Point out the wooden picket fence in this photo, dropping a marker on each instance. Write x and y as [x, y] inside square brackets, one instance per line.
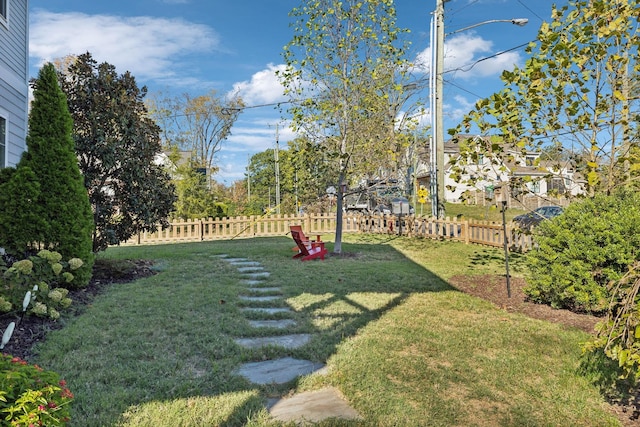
[467, 231]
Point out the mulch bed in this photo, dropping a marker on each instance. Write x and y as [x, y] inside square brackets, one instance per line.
[494, 289]
[33, 329]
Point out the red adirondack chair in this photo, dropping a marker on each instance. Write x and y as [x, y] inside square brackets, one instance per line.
[308, 250]
[304, 238]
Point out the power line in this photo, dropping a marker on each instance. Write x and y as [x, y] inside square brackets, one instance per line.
[468, 67]
[530, 10]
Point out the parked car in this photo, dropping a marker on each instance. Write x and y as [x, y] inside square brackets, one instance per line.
[535, 217]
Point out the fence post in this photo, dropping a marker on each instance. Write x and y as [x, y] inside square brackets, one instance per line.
[465, 227]
[307, 221]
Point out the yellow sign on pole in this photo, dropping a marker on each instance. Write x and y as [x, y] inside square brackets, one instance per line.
[423, 193]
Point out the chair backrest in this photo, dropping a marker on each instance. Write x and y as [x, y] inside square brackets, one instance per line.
[296, 238]
[298, 229]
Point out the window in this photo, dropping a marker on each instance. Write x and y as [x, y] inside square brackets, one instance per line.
[534, 186]
[3, 10]
[3, 141]
[556, 184]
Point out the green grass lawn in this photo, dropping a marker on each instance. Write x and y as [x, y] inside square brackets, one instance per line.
[403, 347]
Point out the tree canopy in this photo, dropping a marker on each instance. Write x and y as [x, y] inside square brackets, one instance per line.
[578, 90]
[117, 146]
[347, 75]
[198, 124]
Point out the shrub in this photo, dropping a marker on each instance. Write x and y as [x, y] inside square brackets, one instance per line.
[618, 336]
[20, 225]
[45, 277]
[32, 396]
[579, 252]
[62, 204]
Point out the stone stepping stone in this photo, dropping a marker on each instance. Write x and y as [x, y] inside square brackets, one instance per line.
[313, 407]
[264, 290]
[276, 324]
[232, 260]
[268, 310]
[289, 342]
[253, 269]
[278, 371]
[256, 276]
[260, 299]
[246, 263]
[251, 282]
[219, 256]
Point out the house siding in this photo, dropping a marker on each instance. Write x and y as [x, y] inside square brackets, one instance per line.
[14, 88]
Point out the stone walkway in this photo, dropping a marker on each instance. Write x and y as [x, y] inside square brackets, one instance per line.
[265, 299]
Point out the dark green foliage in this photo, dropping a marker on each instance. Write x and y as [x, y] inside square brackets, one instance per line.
[20, 224]
[606, 374]
[582, 250]
[116, 144]
[62, 206]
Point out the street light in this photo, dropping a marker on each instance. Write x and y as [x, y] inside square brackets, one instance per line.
[437, 126]
[520, 22]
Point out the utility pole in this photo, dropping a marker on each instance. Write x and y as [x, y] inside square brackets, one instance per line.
[438, 131]
[437, 70]
[248, 178]
[275, 155]
[296, 191]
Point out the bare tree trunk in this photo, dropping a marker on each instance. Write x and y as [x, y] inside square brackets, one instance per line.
[337, 247]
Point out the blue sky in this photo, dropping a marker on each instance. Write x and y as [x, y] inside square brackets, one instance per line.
[195, 46]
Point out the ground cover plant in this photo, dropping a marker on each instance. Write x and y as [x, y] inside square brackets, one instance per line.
[402, 344]
[30, 395]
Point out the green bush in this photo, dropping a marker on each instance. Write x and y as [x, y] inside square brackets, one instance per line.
[20, 225]
[44, 277]
[579, 252]
[65, 219]
[32, 396]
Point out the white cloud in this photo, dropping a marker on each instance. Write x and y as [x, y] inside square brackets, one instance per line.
[464, 52]
[464, 55]
[256, 138]
[462, 107]
[148, 47]
[263, 88]
[249, 140]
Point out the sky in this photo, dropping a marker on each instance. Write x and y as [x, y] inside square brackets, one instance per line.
[235, 46]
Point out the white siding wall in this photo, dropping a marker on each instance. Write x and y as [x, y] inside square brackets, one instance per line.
[14, 89]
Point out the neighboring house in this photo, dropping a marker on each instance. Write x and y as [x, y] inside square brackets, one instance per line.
[541, 178]
[165, 159]
[14, 88]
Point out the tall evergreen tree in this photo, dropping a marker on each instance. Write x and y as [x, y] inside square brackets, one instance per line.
[62, 203]
[20, 224]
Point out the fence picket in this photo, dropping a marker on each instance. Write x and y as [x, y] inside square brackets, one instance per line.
[467, 231]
